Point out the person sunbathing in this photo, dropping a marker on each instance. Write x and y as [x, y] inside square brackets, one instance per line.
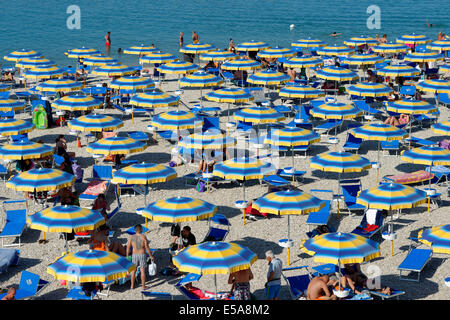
[318, 289]
[393, 121]
[354, 273]
[11, 295]
[101, 205]
[99, 240]
[346, 282]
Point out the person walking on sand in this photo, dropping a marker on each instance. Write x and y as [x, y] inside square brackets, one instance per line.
[273, 284]
[138, 243]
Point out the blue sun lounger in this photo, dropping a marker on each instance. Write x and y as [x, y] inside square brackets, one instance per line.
[191, 277]
[215, 233]
[440, 172]
[14, 222]
[327, 126]
[276, 181]
[297, 284]
[322, 216]
[444, 98]
[415, 261]
[352, 143]
[350, 189]
[362, 105]
[379, 221]
[77, 293]
[390, 146]
[394, 294]
[29, 286]
[298, 174]
[154, 294]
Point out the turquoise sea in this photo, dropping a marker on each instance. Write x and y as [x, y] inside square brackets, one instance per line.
[41, 25]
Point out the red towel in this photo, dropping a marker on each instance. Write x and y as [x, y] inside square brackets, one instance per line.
[252, 211]
[371, 227]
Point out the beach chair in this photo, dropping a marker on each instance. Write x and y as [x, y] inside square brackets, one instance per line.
[243, 128]
[284, 173]
[7, 114]
[409, 91]
[352, 143]
[350, 189]
[444, 98]
[372, 217]
[100, 183]
[8, 257]
[297, 284]
[440, 173]
[29, 286]
[415, 261]
[362, 105]
[327, 126]
[57, 160]
[138, 135]
[276, 182]
[154, 294]
[322, 216]
[420, 176]
[198, 294]
[315, 232]
[3, 173]
[214, 233]
[14, 221]
[77, 293]
[387, 146]
[394, 294]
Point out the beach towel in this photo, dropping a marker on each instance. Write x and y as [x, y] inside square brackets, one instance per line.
[371, 227]
[96, 187]
[412, 177]
[252, 211]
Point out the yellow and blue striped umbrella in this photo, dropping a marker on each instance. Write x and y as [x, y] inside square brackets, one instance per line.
[379, 132]
[197, 48]
[436, 237]
[335, 50]
[391, 196]
[300, 91]
[363, 59]
[81, 52]
[398, 71]
[341, 248]
[369, 89]
[424, 56]
[158, 57]
[258, 115]
[445, 68]
[5, 87]
[276, 52]
[99, 60]
[288, 202]
[214, 258]
[113, 69]
[59, 85]
[390, 48]
[303, 62]
[22, 54]
[427, 155]
[360, 41]
[91, 266]
[252, 46]
[243, 168]
[22, 150]
[77, 103]
[434, 85]
[144, 173]
[66, 219]
[209, 139]
[178, 67]
[218, 55]
[413, 39]
[95, 122]
[268, 77]
[441, 128]
[241, 64]
[175, 120]
[291, 136]
[336, 110]
[154, 99]
[440, 45]
[9, 127]
[141, 50]
[336, 74]
[200, 79]
[340, 162]
[44, 72]
[411, 106]
[11, 104]
[42, 179]
[308, 43]
[116, 145]
[131, 83]
[30, 63]
[231, 95]
[179, 209]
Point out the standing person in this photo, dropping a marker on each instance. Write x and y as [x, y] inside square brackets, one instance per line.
[139, 244]
[231, 46]
[108, 39]
[195, 37]
[384, 39]
[273, 284]
[240, 281]
[181, 39]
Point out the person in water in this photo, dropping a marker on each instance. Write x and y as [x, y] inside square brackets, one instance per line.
[108, 39]
[335, 34]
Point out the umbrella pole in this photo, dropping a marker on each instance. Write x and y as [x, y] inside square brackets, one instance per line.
[429, 189]
[243, 210]
[145, 203]
[201, 106]
[378, 160]
[289, 248]
[215, 285]
[337, 200]
[409, 145]
[293, 166]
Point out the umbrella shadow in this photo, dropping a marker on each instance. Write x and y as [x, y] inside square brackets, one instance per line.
[57, 294]
[24, 264]
[260, 246]
[409, 167]
[413, 290]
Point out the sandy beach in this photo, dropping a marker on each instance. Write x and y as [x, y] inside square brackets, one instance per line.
[259, 236]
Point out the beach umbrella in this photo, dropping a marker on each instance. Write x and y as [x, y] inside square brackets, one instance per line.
[5, 87]
[291, 137]
[369, 89]
[430, 156]
[10, 104]
[391, 196]
[218, 55]
[66, 219]
[241, 64]
[44, 72]
[308, 43]
[154, 99]
[59, 85]
[179, 209]
[413, 39]
[300, 92]
[243, 168]
[158, 57]
[268, 77]
[30, 63]
[434, 85]
[258, 115]
[178, 67]
[444, 68]
[77, 103]
[95, 122]
[42, 179]
[116, 146]
[361, 41]
[214, 258]
[336, 74]
[22, 150]
[335, 50]
[441, 128]
[99, 60]
[398, 70]
[141, 50]
[197, 48]
[340, 248]
[144, 174]
[113, 70]
[10, 127]
[81, 52]
[424, 56]
[22, 54]
[131, 83]
[390, 48]
[277, 52]
[440, 45]
[303, 62]
[437, 237]
[91, 266]
[252, 46]
[363, 60]
[229, 95]
[291, 202]
[200, 79]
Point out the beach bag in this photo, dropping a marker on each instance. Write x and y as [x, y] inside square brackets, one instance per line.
[200, 187]
[77, 172]
[152, 268]
[172, 164]
[445, 144]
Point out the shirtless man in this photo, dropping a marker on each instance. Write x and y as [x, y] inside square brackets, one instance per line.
[292, 74]
[318, 289]
[195, 37]
[181, 40]
[139, 244]
[241, 284]
[11, 295]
